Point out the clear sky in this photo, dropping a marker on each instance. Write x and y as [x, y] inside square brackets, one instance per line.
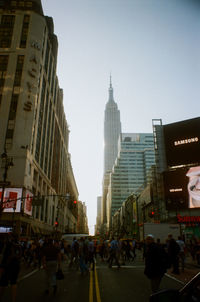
[152, 49]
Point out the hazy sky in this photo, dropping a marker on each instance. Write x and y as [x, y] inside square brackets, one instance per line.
[152, 49]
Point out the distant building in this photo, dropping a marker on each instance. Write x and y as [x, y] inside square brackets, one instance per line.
[112, 130]
[82, 222]
[98, 219]
[130, 171]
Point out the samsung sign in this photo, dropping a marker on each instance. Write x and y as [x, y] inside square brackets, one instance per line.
[186, 141]
[182, 142]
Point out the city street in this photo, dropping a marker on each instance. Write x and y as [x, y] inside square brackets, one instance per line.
[104, 284]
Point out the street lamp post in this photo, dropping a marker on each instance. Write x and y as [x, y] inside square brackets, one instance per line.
[8, 163]
[13, 217]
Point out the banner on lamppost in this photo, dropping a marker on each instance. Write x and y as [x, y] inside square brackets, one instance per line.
[134, 211]
[28, 203]
[11, 199]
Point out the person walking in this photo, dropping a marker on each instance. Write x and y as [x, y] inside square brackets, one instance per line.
[51, 261]
[173, 252]
[155, 262]
[181, 254]
[74, 254]
[91, 253]
[10, 265]
[83, 256]
[114, 248]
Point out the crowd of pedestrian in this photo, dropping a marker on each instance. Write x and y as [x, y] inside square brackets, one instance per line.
[81, 254]
[169, 255]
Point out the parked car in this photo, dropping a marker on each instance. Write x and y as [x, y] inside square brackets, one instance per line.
[190, 292]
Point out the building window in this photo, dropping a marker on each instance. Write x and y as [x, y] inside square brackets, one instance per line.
[8, 143]
[18, 72]
[46, 57]
[28, 4]
[6, 30]
[40, 121]
[9, 133]
[24, 33]
[3, 70]
[13, 107]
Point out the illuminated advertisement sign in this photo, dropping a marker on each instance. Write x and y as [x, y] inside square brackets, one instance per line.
[182, 142]
[182, 188]
[194, 187]
[175, 188]
[11, 199]
[188, 219]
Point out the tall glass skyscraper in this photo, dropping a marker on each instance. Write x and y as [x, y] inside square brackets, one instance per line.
[129, 174]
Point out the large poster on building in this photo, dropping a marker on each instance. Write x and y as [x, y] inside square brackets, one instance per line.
[182, 188]
[134, 211]
[175, 189]
[182, 142]
[12, 199]
[193, 186]
[28, 203]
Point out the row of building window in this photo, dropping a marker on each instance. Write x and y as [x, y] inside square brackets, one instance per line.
[17, 4]
[21, 4]
[3, 70]
[14, 103]
[6, 31]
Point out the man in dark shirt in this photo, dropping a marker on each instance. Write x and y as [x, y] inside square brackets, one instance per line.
[51, 261]
[10, 265]
[173, 254]
[155, 262]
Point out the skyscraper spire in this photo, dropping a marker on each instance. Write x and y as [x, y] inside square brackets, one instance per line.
[111, 99]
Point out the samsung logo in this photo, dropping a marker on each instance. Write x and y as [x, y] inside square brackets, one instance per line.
[186, 141]
[176, 190]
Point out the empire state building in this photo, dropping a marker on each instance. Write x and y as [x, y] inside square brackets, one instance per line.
[112, 130]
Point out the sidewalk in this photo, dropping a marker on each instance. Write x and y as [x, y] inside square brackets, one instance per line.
[191, 269]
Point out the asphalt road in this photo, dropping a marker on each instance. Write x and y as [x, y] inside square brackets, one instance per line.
[101, 285]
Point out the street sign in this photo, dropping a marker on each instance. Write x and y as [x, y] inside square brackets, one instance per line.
[5, 183]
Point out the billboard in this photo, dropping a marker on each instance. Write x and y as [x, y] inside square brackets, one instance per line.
[193, 187]
[11, 199]
[182, 188]
[182, 142]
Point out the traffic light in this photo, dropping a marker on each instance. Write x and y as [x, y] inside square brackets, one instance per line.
[74, 206]
[151, 214]
[56, 223]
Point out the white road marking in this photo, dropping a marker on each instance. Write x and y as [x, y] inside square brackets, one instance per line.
[174, 278]
[28, 275]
